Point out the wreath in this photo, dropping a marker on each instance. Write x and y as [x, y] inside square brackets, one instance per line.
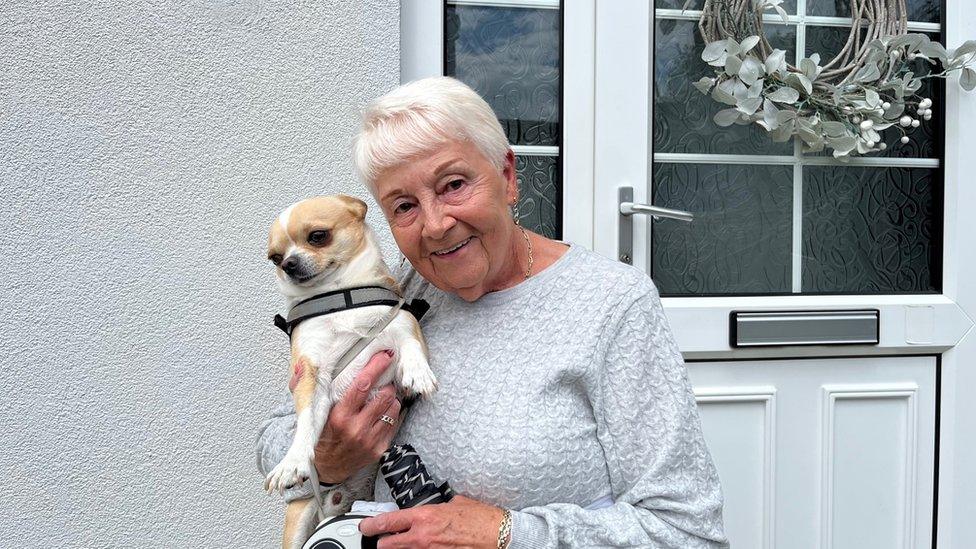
[843, 104]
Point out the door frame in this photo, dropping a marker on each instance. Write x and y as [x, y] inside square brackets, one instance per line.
[594, 166]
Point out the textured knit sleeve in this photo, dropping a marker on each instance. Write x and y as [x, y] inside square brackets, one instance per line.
[663, 482]
[274, 438]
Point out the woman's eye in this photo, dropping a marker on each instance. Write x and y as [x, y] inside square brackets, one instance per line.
[275, 258]
[318, 238]
[455, 185]
[402, 208]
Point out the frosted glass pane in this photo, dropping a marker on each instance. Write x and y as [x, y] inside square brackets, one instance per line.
[740, 239]
[511, 57]
[539, 190]
[869, 230]
[928, 11]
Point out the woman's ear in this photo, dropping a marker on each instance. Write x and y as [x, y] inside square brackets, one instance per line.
[511, 177]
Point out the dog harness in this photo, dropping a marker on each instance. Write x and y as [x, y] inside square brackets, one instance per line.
[343, 300]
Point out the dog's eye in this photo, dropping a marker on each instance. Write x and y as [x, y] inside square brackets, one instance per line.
[318, 238]
[275, 258]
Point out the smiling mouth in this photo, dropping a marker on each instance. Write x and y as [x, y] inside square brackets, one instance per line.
[451, 250]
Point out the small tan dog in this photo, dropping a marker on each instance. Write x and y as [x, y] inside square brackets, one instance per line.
[318, 246]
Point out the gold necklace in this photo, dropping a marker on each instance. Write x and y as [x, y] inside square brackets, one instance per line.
[528, 243]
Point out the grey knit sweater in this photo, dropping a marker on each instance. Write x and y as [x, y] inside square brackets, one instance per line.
[566, 399]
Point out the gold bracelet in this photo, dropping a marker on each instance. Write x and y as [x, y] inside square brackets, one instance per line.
[505, 530]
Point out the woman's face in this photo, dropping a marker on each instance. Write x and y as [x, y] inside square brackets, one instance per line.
[448, 211]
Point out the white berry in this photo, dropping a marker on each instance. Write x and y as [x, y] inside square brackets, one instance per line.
[883, 146]
[867, 125]
[905, 139]
[928, 116]
[905, 121]
[916, 123]
[886, 105]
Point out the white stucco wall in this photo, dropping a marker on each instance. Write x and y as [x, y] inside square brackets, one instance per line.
[145, 147]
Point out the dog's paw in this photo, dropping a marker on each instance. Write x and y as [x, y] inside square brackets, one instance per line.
[292, 471]
[418, 381]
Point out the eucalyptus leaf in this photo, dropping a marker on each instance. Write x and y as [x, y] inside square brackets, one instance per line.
[872, 98]
[714, 50]
[843, 145]
[968, 79]
[800, 82]
[784, 132]
[751, 70]
[748, 43]
[895, 111]
[726, 117]
[784, 95]
[784, 116]
[749, 105]
[834, 129]
[910, 41]
[755, 90]
[964, 51]
[732, 47]
[739, 89]
[809, 68]
[810, 137]
[934, 50]
[782, 13]
[913, 86]
[722, 96]
[770, 115]
[868, 73]
[732, 65]
[704, 84]
[720, 61]
[776, 62]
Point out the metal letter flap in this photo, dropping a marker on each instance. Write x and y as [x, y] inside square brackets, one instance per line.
[774, 328]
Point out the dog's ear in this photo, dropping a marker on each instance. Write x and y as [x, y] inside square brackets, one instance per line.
[357, 206]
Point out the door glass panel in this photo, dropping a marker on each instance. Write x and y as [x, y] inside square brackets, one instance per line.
[539, 196]
[740, 241]
[798, 223]
[682, 115]
[925, 11]
[510, 55]
[868, 230]
[788, 5]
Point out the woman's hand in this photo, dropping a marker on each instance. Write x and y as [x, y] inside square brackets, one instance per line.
[463, 522]
[354, 436]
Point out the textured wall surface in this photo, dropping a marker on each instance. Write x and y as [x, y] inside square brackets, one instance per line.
[145, 148]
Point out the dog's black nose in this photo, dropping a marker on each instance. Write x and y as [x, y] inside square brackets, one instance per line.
[290, 265]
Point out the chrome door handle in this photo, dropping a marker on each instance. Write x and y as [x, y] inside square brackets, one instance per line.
[629, 208]
[625, 226]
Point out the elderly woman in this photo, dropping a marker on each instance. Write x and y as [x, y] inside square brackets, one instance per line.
[564, 410]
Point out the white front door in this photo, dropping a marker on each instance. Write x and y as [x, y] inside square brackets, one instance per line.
[812, 299]
[857, 440]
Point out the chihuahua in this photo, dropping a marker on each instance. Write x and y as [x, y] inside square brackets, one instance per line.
[322, 245]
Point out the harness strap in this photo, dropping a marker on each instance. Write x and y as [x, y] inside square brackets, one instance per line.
[345, 299]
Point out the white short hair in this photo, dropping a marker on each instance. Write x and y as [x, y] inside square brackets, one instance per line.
[416, 117]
